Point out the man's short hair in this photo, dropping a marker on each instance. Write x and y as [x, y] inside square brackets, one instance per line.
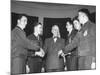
[86, 11]
[55, 26]
[69, 20]
[20, 16]
[75, 18]
[37, 23]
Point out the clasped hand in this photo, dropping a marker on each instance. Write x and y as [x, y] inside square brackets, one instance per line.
[40, 53]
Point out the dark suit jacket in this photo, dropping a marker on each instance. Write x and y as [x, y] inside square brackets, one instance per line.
[31, 53]
[20, 44]
[51, 50]
[71, 36]
[86, 44]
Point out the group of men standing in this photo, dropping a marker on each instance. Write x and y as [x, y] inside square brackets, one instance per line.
[55, 54]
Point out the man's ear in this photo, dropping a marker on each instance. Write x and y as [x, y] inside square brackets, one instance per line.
[18, 21]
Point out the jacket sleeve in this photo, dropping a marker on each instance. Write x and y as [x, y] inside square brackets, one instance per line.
[26, 43]
[63, 45]
[93, 40]
[45, 47]
[74, 43]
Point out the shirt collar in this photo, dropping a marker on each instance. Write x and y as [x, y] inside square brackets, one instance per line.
[36, 34]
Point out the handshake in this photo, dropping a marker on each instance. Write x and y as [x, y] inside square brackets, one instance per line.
[61, 53]
[40, 53]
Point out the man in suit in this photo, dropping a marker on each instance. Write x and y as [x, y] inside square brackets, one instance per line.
[35, 57]
[19, 46]
[53, 48]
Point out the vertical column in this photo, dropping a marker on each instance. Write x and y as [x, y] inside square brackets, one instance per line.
[41, 19]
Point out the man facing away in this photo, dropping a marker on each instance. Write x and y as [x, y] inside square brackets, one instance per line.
[53, 49]
[19, 46]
